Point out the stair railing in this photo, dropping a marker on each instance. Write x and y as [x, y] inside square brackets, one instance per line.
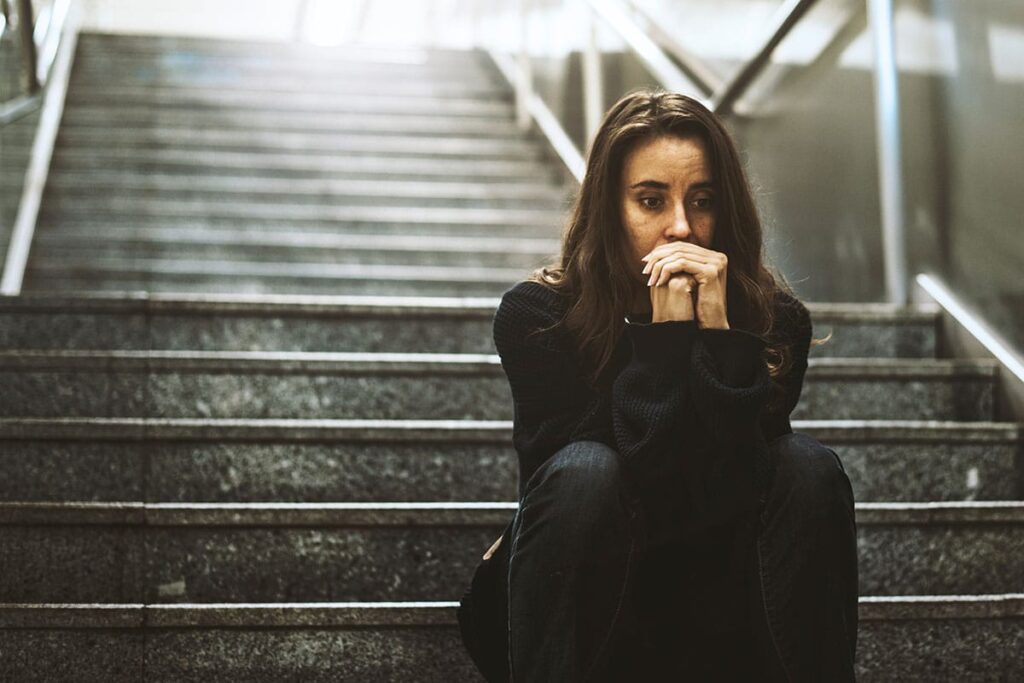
[47, 65]
[693, 78]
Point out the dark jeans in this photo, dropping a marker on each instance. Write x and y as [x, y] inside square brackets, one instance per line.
[590, 601]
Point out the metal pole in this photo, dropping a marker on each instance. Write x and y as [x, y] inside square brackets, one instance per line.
[524, 75]
[887, 129]
[28, 45]
[593, 80]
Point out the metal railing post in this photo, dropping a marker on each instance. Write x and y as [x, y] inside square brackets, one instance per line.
[593, 80]
[524, 73]
[887, 134]
[28, 45]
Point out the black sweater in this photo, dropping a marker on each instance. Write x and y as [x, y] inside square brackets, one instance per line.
[686, 408]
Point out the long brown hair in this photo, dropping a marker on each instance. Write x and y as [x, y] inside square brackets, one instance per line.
[595, 271]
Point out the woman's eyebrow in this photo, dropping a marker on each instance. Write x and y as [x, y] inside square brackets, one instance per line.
[658, 185]
[653, 184]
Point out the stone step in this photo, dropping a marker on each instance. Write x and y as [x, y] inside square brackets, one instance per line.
[243, 100]
[913, 638]
[137, 117]
[101, 216]
[290, 83]
[284, 552]
[419, 386]
[372, 324]
[65, 189]
[313, 143]
[131, 46]
[284, 247]
[231, 460]
[218, 163]
[94, 61]
[533, 192]
[85, 272]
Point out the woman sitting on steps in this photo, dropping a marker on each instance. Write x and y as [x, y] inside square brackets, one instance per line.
[671, 526]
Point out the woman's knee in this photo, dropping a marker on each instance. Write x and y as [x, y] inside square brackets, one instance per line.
[809, 473]
[585, 477]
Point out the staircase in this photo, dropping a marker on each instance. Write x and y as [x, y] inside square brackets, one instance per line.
[227, 476]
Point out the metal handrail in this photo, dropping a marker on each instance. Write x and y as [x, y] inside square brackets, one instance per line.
[785, 18]
[40, 42]
[51, 100]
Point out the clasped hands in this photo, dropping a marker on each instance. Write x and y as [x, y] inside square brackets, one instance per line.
[676, 269]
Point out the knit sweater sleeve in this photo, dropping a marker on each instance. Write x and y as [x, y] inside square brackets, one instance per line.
[677, 407]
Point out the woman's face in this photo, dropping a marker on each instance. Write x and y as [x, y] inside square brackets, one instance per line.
[666, 195]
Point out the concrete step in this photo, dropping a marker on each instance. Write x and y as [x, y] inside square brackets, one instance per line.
[131, 46]
[290, 83]
[218, 163]
[307, 247]
[258, 643]
[231, 460]
[65, 189]
[243, 100]
[307, 142]
[372, 324]
[85, 272]
[94, 60]
[138, 117]
[285, 552]
[420, 386]
[101, 216]
[916, 638]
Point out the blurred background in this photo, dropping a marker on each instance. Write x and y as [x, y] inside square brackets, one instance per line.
[806, 120]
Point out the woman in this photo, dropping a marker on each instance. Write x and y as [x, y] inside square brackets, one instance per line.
[670, 523]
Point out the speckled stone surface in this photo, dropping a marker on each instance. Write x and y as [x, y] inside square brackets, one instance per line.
[116, 280]
[873, 340]
[72, 656]
[357, 655]
[225, 471]
[876, 399]
[237, 564]
[881, 471]
[72, 563]
[436, 334]
[941, 559]
[72, 470]
[31, 330]
[312, 564]
[329, 563]
[52, 394]
[974, 650]
[399, 335]
[332, 472]
[441, 395]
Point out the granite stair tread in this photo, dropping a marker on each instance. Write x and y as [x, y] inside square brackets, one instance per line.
[183, 383]
[413, 550]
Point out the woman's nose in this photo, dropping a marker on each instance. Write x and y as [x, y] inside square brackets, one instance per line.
[679, 227]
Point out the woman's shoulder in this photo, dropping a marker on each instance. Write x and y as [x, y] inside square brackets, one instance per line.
[529, 301]
[791, 315]
[526, 307]
[792, 322]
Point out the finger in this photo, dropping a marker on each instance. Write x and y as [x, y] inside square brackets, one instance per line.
[695, 251]
[655, 270]
[670, 269]
[658, 269]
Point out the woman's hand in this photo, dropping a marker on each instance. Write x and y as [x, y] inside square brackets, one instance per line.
[493, 548]
[692, 265]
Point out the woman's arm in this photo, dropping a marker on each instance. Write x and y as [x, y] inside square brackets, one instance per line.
[685, 411]
[553, 405]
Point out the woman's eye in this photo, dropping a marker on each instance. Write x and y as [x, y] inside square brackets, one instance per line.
[650, 202]
[703, 202]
